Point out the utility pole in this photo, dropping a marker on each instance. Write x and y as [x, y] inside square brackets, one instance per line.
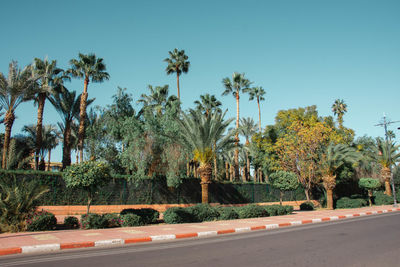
[385, 123]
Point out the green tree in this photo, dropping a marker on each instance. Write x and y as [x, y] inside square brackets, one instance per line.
[369, 184]
[257, 93]
[284, 181]
[247, 129]
[15, 89]
[49, 78]
[339, 108]
[88, 176]
[90, 68]
[177, 63]
[234, 87]
[208, 104]
[199, 133]
[387, 156]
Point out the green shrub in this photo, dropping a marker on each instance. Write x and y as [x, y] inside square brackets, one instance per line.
[271, 210]
[177, 215]
[203, 212]
[93, 221]
[275, 210]
[349, 203]
[251, 211]
[113, 220]
[71, 222]
[148, 215]
[227, 213]
[130, 219]
[380, 198]
[41, 221]
[289, 209]
[307, 206]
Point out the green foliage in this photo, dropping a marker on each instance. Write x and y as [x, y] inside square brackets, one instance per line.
[71, 222]
[130, 219]
[93, 221]
[41, 221]
[369, 183]
[203, 212]
[307, 206]
[227, 213]
[276, 210]
[176, 215]
[380, 198]
[148, 216]
[113, 220]
[251, 211]
[350, 203]
[284, 181]
[18, 199]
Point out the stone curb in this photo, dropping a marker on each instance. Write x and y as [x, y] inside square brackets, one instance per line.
[110, 242]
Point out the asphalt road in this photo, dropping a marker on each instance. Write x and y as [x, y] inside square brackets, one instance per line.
[365, 241]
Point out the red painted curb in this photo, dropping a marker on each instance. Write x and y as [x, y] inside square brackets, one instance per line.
[228, 231]
[368, 213]
[306, 221]
[8, 251]
[342, 217]
[262, 227]
[325, 219]
[138, 240]
[76, 245]
[188, 235]
[356, 215]
[284, 224]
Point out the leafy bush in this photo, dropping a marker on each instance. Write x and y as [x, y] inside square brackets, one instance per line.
[176, 215]
[71, 222]
[275, 210]
[289, 209]
[203, 212]
[131, 219]
[113, 220]
[148, 215]
[93, 221]
[251, 211]
[349, 203]
[227, 213]
[307, 206]
[380, 198]
[41, 221]
[284, 181]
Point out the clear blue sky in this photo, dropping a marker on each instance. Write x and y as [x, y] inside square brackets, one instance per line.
[302, 52]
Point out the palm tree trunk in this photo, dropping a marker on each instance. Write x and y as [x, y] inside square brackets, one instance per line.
[39, 126]
[329, 182]
[385, 173]
[215, 162]
[370, 194]
[281, 197]
[66, 160]
[237, 137]
[259, 113]
[177, 82]
[226, 170]
[247, 162]
[205, 175]
[8, 122]
[329, 199]
[49, 160]
[82, 117]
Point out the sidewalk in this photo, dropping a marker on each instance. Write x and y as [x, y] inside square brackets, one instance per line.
[29, 242]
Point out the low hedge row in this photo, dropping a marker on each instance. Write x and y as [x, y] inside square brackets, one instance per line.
[205, 212]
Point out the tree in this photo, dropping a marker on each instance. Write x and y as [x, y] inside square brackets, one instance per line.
[199, 133]
[207, 104]
[257, 93]
[88, 176]
[234, 87]
[369, 184]
[284, 181]
[247, 129]
[332, 159]
[177, 63]
[49, 78]
[89, 68]
[386, 155]
[339, 108]
[15, 89]
[157, 100]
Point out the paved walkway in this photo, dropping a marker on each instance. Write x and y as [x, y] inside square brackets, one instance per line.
[28, 242]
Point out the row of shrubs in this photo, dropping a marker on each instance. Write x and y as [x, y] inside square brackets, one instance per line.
[357, 201]
[203, 212]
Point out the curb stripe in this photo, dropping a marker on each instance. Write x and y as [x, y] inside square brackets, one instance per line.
[284, 224]
[306, 221]
[8, 251]
[188, 235]
[108, 242]
[227, 231]
[162, 237]
[40, 248]
[137, 240]
[76, 245]
[254, 228]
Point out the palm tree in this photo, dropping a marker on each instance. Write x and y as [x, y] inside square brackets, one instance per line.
[247, 129]
[208, 103]
[334, 157]
[67, 105]
[338, 109]
[387, 156]
[198, 134]
[234, 86]
[177, 63]
[257, 93]
[90, 68]
[49, 77]
[15, 89]
[157, 99]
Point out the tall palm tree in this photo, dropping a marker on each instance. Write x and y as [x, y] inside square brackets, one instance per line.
[67, 105]
[177, 63]
[49, 77]
[198, 134]
[157, 99]
[247, 129]
[15, 89]
[334, 157]
[257, 93]
[339, 108]
[387, 155]
[208, 103]
[234, 87]
[89, 68]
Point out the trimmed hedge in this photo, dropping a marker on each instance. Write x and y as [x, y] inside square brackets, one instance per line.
[176, 215]
[227, 213]
[307, 206]
[130, 219]
[41, 221]
[71, 222]
[350, 203]
[203, 212]
[251, 211]
[148, 216]
[93, 221]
